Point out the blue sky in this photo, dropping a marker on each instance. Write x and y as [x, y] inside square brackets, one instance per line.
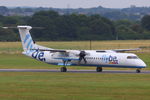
[75, 3]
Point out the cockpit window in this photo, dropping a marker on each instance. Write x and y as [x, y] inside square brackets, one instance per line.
[132, 57]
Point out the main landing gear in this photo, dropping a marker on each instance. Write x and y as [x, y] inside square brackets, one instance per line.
[64, 69]
[138, 70]
[99, 69]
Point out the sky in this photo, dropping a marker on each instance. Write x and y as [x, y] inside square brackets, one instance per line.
[75, 3]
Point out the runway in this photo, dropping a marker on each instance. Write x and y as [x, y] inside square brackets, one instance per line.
[73, 71]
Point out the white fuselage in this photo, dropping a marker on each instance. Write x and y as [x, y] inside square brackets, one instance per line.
[94, 58]
[98, 58]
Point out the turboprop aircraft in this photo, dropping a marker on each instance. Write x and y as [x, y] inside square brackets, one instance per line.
[97, 58]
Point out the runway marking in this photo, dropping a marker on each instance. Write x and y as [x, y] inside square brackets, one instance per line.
[72, 71]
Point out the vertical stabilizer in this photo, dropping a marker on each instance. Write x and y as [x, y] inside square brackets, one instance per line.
[26, 38]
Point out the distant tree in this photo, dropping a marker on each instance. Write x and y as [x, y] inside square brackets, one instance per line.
[46, 19]
[124, 22]
[49, 14]
[126, 33]
[3, 10]
[18, 10]
[115, 15]
[7, 35]
[10, 20]
[1, 18]
[71, 27]
[145, 22]
[137, 28]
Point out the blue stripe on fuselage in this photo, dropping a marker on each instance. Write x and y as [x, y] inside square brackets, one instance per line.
[117, 66]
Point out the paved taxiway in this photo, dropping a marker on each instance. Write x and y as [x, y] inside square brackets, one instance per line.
[72, 71]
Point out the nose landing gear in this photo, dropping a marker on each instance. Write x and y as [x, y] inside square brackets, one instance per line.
[99, 69]
[138, 70]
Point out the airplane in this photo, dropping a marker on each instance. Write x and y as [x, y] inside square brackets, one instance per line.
[94, 58]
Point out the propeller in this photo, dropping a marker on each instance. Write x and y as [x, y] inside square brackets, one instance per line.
[83, 53]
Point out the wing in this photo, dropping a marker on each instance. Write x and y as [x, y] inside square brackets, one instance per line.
[51, 50]
[123, 50]
[65, 55]
[67, 58]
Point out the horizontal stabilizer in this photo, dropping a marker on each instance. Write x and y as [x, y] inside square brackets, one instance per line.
[23, 27]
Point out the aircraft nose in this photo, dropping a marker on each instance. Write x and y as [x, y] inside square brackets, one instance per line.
[142, 63]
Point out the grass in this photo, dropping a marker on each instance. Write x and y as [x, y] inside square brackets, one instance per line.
[16, 47]
[14, 61]
[70, 86]
[73, 86]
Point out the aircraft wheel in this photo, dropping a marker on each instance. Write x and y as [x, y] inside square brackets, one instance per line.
[99, 69]
[63, 69]
[138, 70]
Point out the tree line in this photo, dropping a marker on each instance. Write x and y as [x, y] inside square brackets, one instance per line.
[131, 13]
[70, 27]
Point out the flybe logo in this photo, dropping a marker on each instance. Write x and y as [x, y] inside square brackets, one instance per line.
[110, 59]
[38, 55]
